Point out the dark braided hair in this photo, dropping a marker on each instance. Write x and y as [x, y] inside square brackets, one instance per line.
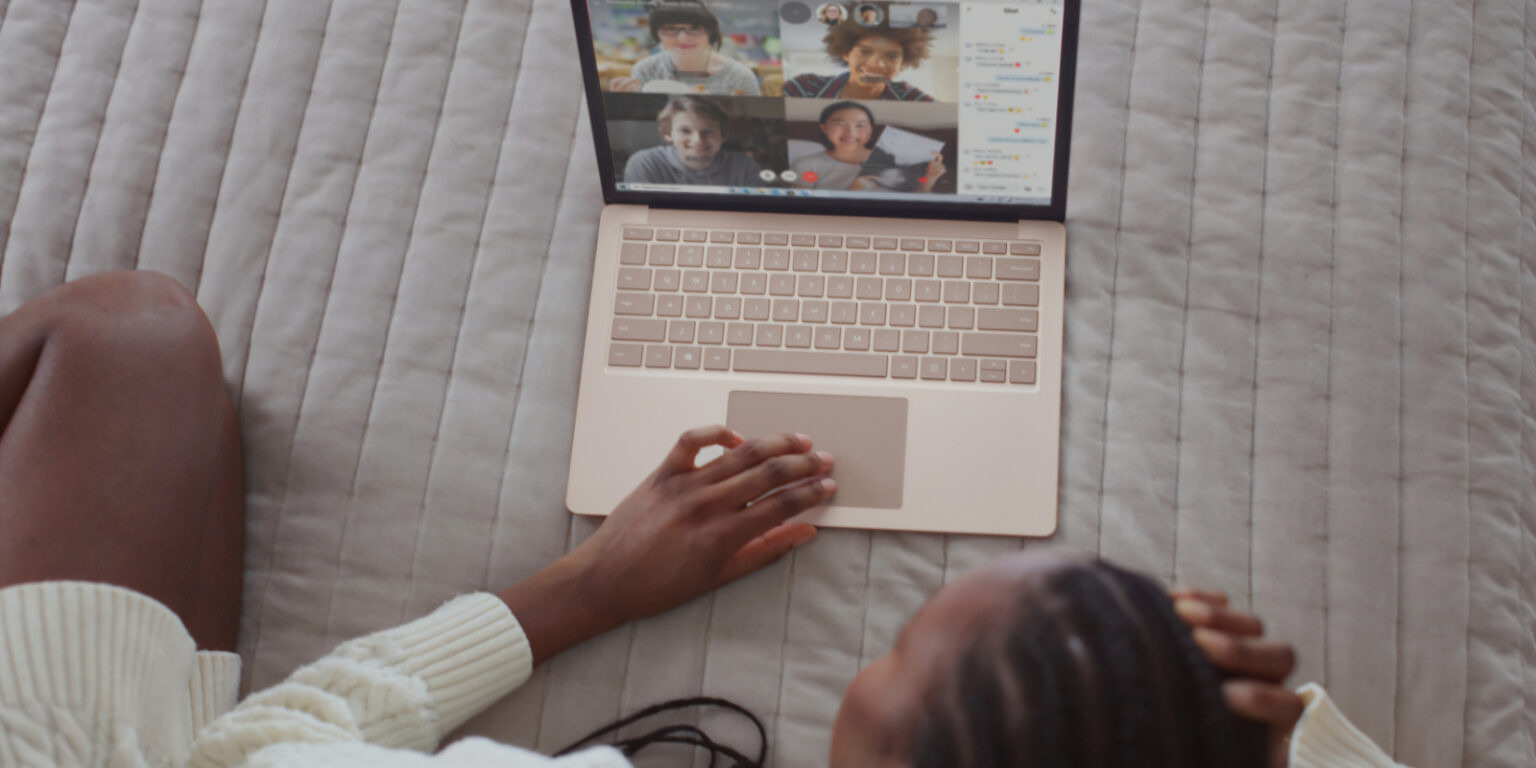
[682, 733]
[1094, 670]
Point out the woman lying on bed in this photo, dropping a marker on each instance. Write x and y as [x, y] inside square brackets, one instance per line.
[121, 509]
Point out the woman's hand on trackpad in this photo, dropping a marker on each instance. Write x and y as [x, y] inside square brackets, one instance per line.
[687, 530]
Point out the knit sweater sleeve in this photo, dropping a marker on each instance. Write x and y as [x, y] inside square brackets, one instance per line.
[1326, 739]
[405, 687]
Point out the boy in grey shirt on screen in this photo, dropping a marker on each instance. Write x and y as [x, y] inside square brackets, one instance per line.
[694, 130]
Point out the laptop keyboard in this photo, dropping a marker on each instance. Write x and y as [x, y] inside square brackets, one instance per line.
[861, 306]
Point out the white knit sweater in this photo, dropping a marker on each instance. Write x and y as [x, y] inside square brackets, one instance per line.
[93, 675]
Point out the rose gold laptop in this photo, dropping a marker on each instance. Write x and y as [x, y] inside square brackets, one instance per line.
[837, 219]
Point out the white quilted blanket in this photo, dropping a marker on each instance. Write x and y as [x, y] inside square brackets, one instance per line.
[1301, 338]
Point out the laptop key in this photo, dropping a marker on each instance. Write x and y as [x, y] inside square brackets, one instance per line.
[935, 368]
[668, 279]
[756, 309]
[658, 356]
[813, 363]
[1026, 320]
[994, 371]
[798, 336]
[711, 333]
[634, 279]
[775, 238]
[749, 238]
[669, 235]
[717, 359]
[862, 263]
[640, 304]
[856, 339]
[722, 237]
[680, 331]
[638, 233]
[663, 255]
[1018, 269]
[834, 261]
[1026, 249]
[887, 340]
[803, 241]
[951, 266]
[946, 343]
[626, 355]
[738, 334]
[632, 253]
[903, 367]
[727, 308]
[687, 358]
[998, 344]
[717, 257]
[1020, 295]
[984, 293]
[695, 236]
[961, 369]
[994, 249]
[1021, 371]
[669, 305]
[690, 256]
[634, 329]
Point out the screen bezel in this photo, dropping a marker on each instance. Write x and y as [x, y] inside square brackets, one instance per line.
[971, 210]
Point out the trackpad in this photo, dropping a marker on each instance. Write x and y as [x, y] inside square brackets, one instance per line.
[867, 437]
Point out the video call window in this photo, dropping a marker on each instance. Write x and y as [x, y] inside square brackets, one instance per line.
[708, 141]
[723, 47]
[828, 98]
[870, 51]
[872, 146]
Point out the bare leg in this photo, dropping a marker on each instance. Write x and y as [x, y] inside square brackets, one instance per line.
[120, 449]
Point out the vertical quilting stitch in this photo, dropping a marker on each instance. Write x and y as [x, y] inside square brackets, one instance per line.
[410, 234]
[1528, 641]
[789, 601]
[1114, 284]
[517, 387]
[165, 135]
[1189, 248]
[101, 130]
[1333, 258]
[1258, 288]
[7, 217]
[1466, 295]
[476, 249]
[213, 210]
[1402, 344]
[281, 507]
[453, 355]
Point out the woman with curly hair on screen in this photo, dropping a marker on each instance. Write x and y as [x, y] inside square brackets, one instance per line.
[874, 55]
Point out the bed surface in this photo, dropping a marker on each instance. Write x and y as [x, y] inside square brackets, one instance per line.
[1300, 344]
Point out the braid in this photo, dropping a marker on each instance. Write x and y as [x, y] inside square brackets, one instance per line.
[1092, 670]
[681, 733]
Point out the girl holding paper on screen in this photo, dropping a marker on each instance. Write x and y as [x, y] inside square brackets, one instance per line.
[853, 161]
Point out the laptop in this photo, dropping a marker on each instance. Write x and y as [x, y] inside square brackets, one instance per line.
[836, 218]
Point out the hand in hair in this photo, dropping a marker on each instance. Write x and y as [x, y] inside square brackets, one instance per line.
[683, 532]
[1234, 642]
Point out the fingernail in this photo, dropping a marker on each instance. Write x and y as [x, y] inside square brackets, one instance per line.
[1192, 610]
[825, 458]
[809, 534]
[829, 485]
[803, 438]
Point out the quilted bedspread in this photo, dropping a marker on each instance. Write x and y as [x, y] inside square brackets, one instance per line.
[1300, 342]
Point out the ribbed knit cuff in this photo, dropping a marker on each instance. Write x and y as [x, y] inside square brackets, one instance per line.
[470, 653]
[1326, 739]
[107, 653]
[215, 686]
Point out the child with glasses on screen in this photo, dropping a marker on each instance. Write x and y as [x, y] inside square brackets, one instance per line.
[689, 36]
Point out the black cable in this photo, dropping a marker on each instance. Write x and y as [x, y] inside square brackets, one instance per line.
[669, 734]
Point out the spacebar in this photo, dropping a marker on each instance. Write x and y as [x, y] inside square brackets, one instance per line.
[820, 363]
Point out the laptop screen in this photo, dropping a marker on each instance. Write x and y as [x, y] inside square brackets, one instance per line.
[912, 104]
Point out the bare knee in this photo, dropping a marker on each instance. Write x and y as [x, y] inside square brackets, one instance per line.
[139, 331]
